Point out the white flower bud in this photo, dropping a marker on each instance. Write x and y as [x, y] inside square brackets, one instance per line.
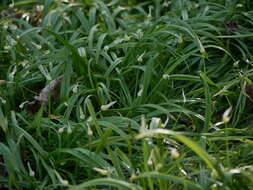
[69, 130]
[133, 177]
[106, 48]
[62, 181]
[226, 116]
[61, 130]
[101, 171]
[89, 131]
[159, 166]
[75, 89]
[140, 92]
[174, 153]
[166, 76]
[82, 116]
[140, 58]
[11, 5]
[31, 172]
[21, 106]
[107, 106]
[3, 100]
[180, 40]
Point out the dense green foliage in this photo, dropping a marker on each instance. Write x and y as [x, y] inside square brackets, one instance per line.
[154, 94]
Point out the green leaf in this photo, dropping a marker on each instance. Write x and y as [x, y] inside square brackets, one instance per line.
[106, 182]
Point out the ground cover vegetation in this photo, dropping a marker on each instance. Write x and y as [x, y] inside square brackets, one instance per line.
[126, 94]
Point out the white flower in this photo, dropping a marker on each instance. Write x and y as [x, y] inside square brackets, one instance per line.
[159, 166]
[82, 116]
[39, 7]
[89, 131]
[75, 88]
[202, 50]
[140, 92]
[31, 172]
[226, 116]
[151, 157]
[166, 4]
[3, 100]
[126, 37]
[7, 47]
[5, 26]
[214, 174]
[150, 162]
[140, 58]
[239, 5]
[11, 5]
[107, 106]
[166, 76]
[133, 177]
[62, 181]
[180, 40]
[236, 64]
[61, 130]
[104, 13]
[150, 8]
[24, 63]
[21, 106]
[174, 153]
[69, 130]
[12, 41]
[106, 48]
[46, 52]
[101, 171]
[12, 74]
[89, 120]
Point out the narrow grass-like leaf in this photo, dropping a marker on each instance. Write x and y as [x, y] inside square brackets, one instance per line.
[191, 144]
[107, 182]
[155, 175]
[3, 121]
[208, 102]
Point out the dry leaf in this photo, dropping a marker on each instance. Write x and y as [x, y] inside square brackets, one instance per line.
[51, 90]
[6, 82]
[249, 91]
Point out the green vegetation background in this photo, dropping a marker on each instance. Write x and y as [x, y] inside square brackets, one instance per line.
[118, 94]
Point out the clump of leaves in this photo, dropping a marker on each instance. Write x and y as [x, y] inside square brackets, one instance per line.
[139, 95]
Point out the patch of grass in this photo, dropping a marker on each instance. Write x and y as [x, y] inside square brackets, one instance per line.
[153, 95]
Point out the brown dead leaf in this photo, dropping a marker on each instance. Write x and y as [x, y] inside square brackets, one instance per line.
[249, 91]
[49, 91]
[6, 82]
